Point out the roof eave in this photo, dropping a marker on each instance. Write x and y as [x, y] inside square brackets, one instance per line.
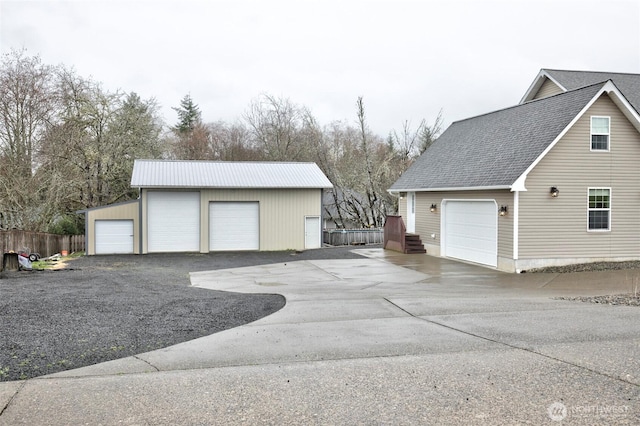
[90, 209]
[227, 187]
[451, 189]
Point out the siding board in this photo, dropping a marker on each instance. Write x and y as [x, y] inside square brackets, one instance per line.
[548, 88]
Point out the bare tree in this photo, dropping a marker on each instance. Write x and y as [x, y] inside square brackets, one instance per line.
[429, 133]
[278, 128]
[376, 158]
[27, 104]
[360, 166]
[410, 143]
[97, 137]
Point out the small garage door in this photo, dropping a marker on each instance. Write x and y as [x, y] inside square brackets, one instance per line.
[173, 221]
[234, 226]
[114, 236]
[470, 231]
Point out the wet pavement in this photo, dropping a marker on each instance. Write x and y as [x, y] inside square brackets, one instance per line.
[390, 339]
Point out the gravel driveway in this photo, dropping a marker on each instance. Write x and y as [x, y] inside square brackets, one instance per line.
[108, 307]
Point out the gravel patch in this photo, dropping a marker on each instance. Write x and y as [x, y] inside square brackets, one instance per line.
[102, 308]
[630, 299]
[586, 267]
[616, 299]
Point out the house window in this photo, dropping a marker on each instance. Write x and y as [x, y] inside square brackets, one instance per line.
[600, 133]
[599, 209]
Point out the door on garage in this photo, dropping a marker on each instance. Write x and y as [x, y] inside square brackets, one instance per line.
[114, 236]
[312, 232]
[234, 226]
[173, 221]
[470, 231]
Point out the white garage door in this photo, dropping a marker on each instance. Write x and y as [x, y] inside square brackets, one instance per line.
[234, 226]
[114, 236]
[470, 231]
[173, 221]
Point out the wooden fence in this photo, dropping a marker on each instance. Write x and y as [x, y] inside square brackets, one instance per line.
[346, 237]
[38, 242]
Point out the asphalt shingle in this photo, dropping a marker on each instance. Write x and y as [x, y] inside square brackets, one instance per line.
[628, 84]
[494, 149]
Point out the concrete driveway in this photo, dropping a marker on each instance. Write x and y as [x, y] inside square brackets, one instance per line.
[391, 339]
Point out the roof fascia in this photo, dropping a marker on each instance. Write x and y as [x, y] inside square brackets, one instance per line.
[454, 189]
[537, 83]
[616, 96]
[189, 187]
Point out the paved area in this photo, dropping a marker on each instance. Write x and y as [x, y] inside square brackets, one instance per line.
[390, 339]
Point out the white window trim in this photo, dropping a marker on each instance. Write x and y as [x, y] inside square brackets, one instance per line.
[591, 133]
[607, 209]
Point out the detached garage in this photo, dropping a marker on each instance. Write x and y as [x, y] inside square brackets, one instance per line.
[208, 206]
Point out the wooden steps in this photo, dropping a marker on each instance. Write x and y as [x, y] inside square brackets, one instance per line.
[413, 244]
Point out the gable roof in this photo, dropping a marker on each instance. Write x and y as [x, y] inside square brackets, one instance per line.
[628, 84]
[494, 150]
[226, 174]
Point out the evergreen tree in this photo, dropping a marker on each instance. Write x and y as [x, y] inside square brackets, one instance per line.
[188, 116]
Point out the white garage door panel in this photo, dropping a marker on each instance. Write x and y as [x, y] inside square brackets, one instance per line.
[234, 226]
[173, 220]
[471, 231]
[114, 236]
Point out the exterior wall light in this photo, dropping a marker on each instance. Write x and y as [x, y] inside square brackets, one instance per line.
[554, 192]
[503, 210]
[433, 208]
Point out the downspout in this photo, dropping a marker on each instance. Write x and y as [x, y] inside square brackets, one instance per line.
[140, 227]
[86, 232]
[516, 225]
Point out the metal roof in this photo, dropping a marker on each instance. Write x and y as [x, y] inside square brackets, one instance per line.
[493, 150]
[226, 174]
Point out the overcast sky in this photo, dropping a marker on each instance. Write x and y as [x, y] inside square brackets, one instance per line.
[408, 59]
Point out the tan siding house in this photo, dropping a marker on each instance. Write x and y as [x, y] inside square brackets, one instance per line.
[553, 180]
[195, 206]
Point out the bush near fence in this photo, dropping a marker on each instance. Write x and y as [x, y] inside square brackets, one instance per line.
[39, 242]
[346, 237]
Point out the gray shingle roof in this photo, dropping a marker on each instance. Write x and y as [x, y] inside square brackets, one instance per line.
[628, 84]
[493, 150]
[226, 174]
